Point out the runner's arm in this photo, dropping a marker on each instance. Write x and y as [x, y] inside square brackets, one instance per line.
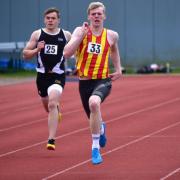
[33, 46]
[76, 38]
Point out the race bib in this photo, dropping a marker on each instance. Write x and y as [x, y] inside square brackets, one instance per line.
[94, 48]
[50, 49]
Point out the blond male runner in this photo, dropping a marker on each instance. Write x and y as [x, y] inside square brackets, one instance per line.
[93, 45]
[48, 44]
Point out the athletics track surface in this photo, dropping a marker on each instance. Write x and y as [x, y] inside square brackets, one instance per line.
[143, 129]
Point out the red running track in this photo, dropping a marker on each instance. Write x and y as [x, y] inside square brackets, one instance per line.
[143, 130]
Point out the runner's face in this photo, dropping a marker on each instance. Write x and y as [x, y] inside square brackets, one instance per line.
[96, 16]
[51, 21]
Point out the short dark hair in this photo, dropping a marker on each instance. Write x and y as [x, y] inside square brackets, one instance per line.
[52, 9]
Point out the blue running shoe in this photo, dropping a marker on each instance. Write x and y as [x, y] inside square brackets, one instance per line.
[96, 156]
[103, 139]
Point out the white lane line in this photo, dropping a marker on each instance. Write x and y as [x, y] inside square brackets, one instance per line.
[21, 125]
[146, 109]
[113, 150]
[42, 142]
[34, 122]
[170, 174]
[29, 107]
[65, 113]
[83, 129]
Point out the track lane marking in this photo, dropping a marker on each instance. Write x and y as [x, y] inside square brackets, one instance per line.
[113, 150]
[170, 174]
[86, 128]
[34, 122]
[65, 113]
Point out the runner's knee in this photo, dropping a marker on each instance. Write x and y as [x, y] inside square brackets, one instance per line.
[52, 105]
[94, 104]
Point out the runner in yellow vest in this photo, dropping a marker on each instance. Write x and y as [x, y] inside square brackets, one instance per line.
[93, 45]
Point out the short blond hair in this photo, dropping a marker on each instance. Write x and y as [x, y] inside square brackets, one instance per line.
[94, 5]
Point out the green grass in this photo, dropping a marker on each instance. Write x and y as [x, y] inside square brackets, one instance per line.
[17, 74]
[25, 74]
[176, 70]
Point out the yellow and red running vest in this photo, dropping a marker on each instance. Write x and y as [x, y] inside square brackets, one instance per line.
[92, 56]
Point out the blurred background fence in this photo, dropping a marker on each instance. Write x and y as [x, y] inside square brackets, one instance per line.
[148, 29]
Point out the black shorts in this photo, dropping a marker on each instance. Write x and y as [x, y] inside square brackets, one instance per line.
[99, 87]
[44, 80]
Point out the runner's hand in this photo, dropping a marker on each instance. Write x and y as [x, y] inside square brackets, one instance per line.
[114, 76]
[85, 28]
[40, 45]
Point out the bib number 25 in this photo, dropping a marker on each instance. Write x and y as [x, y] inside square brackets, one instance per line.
[50, 49]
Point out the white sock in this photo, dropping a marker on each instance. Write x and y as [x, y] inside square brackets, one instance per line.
[95, 141]
[102, 129]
